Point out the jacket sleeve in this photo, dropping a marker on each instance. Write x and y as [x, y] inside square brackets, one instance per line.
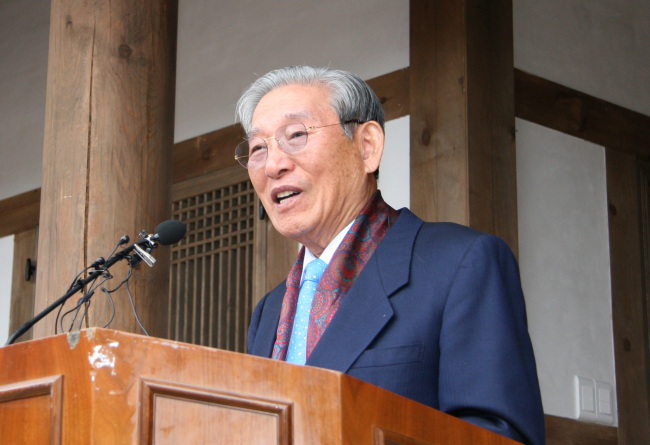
[487, 366]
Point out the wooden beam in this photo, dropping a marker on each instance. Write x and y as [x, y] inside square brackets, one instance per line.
[20, 212]
[206, 153]
[393, 91]
[569, 111]
[462, 115]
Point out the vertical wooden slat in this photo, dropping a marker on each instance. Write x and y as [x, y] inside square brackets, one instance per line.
[238, 271]
[211, 296]
[222, 281]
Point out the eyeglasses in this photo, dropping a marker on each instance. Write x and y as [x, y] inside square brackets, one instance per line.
[291, 138]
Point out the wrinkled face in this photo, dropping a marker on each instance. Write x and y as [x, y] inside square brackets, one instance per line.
[311, 195]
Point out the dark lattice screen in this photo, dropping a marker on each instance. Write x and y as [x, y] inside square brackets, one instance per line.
[211, 268]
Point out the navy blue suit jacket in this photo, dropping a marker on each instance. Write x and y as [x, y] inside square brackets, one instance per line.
[437, 315]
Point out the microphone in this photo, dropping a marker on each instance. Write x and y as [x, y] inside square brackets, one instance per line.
[167, 232]
[170, 232]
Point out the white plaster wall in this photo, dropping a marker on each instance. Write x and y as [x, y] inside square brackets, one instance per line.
[24, 36]
[599, 47]
[6, 265]
[224, 46]
[564, 260]
[394, 171]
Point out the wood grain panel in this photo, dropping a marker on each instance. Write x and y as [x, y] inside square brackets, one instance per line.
[383, 436]
[28, 405]
[104, 370]
[176, 413]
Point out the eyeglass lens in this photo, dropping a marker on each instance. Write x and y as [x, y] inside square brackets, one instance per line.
[253, 152]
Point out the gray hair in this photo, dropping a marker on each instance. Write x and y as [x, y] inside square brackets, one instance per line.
[350, 97]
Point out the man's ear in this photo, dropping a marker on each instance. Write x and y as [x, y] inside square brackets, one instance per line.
[371, 139]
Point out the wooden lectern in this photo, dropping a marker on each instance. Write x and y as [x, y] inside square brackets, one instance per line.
[106, 387]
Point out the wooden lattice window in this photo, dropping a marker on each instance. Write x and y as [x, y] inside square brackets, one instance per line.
[211, 280]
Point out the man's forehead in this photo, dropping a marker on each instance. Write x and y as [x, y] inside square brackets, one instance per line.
[290, 103]
[294, 116]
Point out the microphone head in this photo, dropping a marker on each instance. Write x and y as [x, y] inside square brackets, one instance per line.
[170, 232]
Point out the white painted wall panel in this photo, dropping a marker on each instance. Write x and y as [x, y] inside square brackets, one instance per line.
[6, 265]
[564, 260]
[599, 47]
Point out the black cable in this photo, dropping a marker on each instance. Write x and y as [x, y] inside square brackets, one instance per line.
[81, 320]
[128, 291]
[87, 298]
[56, 321]
[74, 309]
[110, 298]
[128, 275]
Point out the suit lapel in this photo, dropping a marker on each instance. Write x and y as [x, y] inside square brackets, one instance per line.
[366, 308]
[268, 326]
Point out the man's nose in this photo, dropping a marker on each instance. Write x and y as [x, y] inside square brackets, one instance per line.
[277, 161]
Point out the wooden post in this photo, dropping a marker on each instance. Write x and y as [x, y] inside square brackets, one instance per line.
[107, 167]
[627, 198]
[462, 114]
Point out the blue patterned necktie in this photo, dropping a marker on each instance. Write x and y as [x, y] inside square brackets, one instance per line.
[298, 343]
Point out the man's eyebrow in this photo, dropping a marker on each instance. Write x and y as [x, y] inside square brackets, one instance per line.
[299, 115]
[294, 116]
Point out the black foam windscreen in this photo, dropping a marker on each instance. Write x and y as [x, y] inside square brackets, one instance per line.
[170, 231]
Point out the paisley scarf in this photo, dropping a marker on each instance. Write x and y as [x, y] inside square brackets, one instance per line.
[347, 263]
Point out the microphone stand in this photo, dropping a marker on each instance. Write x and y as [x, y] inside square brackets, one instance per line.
[80, 284]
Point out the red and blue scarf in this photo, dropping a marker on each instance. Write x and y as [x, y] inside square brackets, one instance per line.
[347, 263]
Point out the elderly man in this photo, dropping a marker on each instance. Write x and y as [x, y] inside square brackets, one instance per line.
[431, 311]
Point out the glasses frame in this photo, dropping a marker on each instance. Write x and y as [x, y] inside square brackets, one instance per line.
[242, 159]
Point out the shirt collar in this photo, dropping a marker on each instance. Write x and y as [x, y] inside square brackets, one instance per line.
[328, 253]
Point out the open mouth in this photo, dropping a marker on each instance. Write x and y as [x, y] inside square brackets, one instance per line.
[282, 196]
